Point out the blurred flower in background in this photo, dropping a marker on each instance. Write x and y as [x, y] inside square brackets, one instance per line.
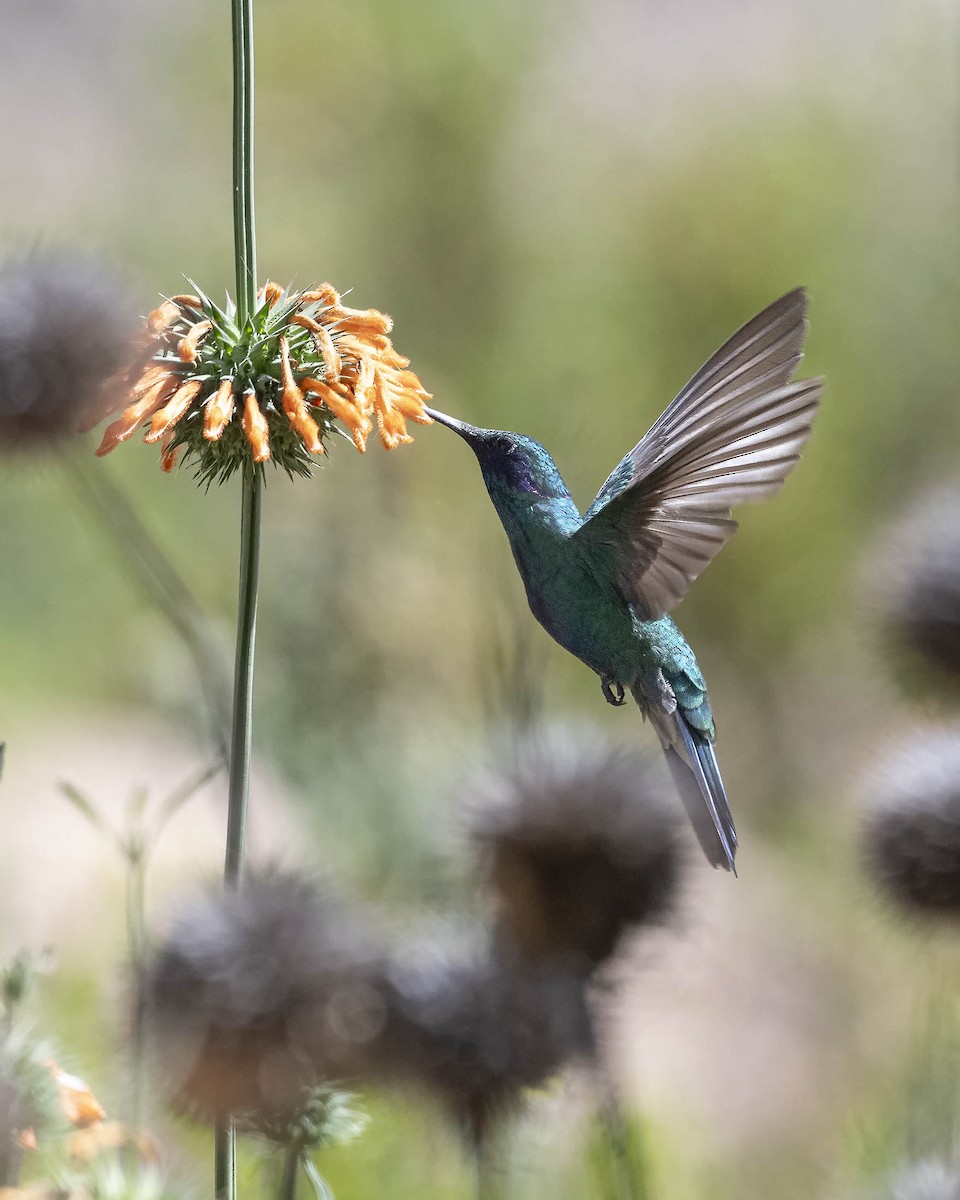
[911, 830]
[917, 579]
[580, 843]
[67, 345]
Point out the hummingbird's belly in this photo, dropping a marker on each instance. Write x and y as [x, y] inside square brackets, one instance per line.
[590, 620]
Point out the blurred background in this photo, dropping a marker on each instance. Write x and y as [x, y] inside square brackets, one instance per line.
[566, 207]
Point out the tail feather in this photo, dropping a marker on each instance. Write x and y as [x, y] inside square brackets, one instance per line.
[693, 765]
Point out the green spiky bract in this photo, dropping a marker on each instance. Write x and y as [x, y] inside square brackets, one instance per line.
[247, 354]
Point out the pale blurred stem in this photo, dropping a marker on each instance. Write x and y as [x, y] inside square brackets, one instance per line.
[159, 582]
[487, 1164]
[626, 1155]
[291, 1169]
[137, 949]
[245, 255]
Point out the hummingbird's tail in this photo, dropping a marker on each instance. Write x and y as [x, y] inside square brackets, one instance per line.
[693, 766]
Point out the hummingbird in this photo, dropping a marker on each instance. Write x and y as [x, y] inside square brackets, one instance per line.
[603, 583]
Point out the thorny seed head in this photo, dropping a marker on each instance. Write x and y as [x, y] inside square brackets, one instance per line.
[580, 843]
[911, 831]
[474, 1024]
[259, 994]
[67, 346]
[302, 367]
[917, 581]
[324, 1116]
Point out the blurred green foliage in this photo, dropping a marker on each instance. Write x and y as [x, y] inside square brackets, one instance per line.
[566, 208]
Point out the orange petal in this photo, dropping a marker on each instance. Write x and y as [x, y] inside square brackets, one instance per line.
[391, 427]
[186, 300]
[27, 1139]
[89, 1144]
[189, 345]
[326, 294]
[77, 1102]
[254, 425]
[170, 414]
[134, 414]
[219, 412]
[366, 378]
[146, 381]
[163, 316]
[294, 406]
[411, 406]
[321, 335]
[359, 319]
[169, 454]
[346, 412]
[269, 294]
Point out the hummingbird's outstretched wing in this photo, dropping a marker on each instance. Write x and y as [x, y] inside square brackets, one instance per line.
[732, 434]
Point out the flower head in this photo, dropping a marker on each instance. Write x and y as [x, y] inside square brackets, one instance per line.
[260, 994]
[475, 1025]
[304, 365]
[911, 833]
[917, 580]
[580, 843]
[67, 342]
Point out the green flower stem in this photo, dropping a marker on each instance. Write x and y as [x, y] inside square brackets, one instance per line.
[291, 1169]
[251, 504]
[244, 242]
[626, 1153]
[244, 237]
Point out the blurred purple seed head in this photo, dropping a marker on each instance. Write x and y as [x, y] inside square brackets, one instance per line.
[260, 994]
[911, 830]
[580, 842]
[474, 1025]
[68, 339]
[917, 581]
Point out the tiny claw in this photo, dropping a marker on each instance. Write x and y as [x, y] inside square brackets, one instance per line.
[613, 691]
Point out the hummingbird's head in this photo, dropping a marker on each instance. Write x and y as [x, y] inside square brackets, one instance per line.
[509, 461]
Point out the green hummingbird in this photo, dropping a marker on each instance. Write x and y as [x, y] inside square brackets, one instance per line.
[602, 584]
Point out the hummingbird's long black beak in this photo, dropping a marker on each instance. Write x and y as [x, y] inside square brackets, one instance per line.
[468, 432]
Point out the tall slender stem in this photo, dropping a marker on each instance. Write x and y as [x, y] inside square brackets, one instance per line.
[244, 244]
[291, 1169]
[627, 1162]
[244, 237]
[251, 503]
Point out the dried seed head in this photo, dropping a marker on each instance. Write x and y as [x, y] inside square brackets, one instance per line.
[580, 842]
[911, 831]
[67, 342]
[916, 578]
[474, 1025]
[304, 365]
[259, 994]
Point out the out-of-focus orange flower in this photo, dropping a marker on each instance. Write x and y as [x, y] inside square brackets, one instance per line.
[106, 1136]
[78, 1103]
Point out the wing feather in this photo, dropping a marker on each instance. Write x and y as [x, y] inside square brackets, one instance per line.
[732, 434]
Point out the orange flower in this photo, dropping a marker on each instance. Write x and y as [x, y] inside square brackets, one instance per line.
[78, 1103]
[303, 364]
[88, 1144]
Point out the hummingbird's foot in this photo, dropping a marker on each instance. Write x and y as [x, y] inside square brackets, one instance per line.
[613, 691]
